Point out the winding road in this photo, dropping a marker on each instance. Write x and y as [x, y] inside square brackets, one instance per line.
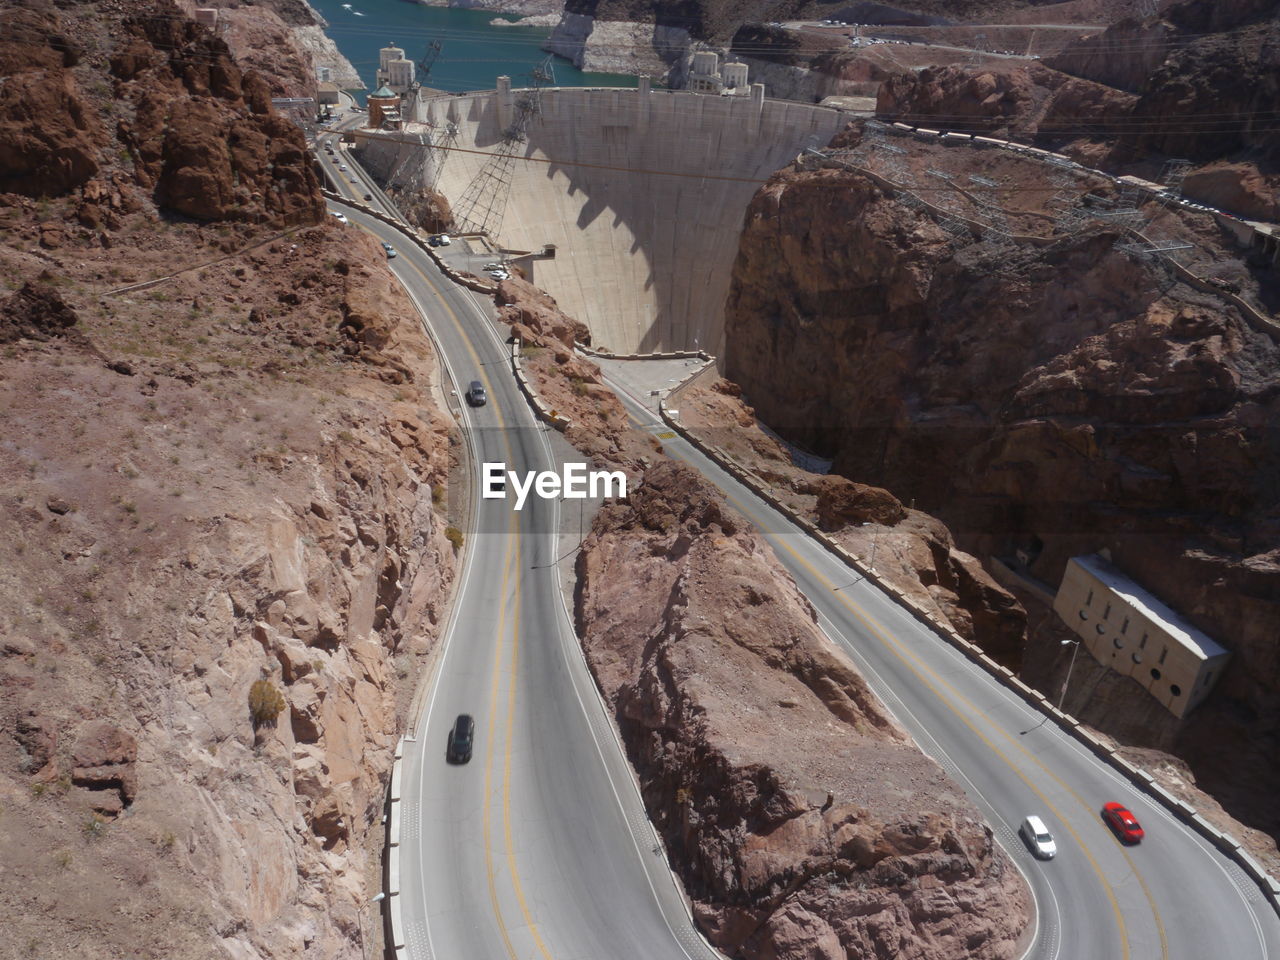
[538, 849]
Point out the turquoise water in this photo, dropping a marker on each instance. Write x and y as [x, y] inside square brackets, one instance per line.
[473, 53]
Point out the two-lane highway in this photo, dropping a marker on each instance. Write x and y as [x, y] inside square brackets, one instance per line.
[538, 849]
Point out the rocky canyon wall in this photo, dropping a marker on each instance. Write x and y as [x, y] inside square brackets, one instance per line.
[224, 500]
[1051, 400]
[762, 752]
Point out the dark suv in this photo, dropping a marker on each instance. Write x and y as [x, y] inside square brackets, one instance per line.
[461, 737]
[476, 395]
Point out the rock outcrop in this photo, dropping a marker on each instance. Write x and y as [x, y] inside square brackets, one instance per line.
[227, 474]
[765, 757]
[1042, 401]
[204, 136]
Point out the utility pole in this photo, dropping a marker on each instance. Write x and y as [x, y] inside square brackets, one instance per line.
[1062, 697]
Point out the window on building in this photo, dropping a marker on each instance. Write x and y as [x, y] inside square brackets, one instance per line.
[1084, 614]
[1155, 674]
[1101, 628]
[1137, 658]
[1143, 643]
[1124, 627]
[1164, 652]
[1207, 677]
[1175, 689]
[1088, 601]
[1118, 642]
[1106, 614]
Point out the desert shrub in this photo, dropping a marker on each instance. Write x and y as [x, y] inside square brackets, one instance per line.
[454, 536]
[265, 703]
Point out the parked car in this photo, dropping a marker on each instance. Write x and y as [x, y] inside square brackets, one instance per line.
[499, 274]
[1125, 825]
[1037, 837]
[440, 240]
[461, 739]
[340, 217]
[494, 266]
[476, 395]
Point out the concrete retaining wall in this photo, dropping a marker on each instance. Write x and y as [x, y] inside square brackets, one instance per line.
[1229, 846]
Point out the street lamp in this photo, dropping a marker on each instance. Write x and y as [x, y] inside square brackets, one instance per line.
[1076, 649]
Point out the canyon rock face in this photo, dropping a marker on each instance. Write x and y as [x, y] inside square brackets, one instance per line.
[1043, 402]
[766, 758]
[1022, 102]
[203, 134]
[48, 131]
[224, 500]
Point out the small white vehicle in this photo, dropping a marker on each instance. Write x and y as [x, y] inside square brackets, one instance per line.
[1037, 837]
[339, 216]
[499, 274]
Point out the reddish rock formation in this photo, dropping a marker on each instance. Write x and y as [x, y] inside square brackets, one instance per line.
[48, 133]
[203, 136]
[35, 312]
[1050, 400]
[756, 742]
[1021, 102]
[569, 383]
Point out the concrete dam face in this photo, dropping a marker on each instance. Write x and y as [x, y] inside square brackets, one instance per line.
[642, 192]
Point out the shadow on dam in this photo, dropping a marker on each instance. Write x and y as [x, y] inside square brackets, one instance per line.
[642, 192]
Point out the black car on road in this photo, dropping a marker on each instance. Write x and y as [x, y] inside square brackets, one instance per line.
[461, 739]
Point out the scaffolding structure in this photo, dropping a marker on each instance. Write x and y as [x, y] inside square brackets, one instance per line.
[484, 202]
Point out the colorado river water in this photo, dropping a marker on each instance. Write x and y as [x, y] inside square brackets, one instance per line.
[473, 51]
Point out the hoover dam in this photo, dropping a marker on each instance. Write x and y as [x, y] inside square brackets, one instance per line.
[642, 192]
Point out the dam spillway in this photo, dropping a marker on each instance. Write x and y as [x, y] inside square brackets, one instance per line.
[642, 192]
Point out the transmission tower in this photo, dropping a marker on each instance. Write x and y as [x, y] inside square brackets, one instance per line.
[947, 207]
[979, 48]
[442, 147]
[987, 200]
[484, 202]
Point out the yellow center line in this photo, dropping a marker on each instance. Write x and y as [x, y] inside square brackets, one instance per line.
[906, 659]
[511, 695]
[506, 793]
[490, 741]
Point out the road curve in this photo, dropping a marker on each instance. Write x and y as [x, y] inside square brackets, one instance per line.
[1174, 897]
[538, 847]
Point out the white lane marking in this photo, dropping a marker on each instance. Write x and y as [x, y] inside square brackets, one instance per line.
[885, 692]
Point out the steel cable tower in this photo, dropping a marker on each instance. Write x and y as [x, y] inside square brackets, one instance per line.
[484, 202]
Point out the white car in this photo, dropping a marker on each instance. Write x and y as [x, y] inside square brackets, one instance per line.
[339, 216]
[499, 274]
[1037, 837]
[342, 167]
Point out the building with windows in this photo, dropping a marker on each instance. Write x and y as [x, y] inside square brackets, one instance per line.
[708, 75]
[394, 70]
[384, 109]
[1133, 632]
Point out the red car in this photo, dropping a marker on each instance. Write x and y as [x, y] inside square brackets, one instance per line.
[1120, 820]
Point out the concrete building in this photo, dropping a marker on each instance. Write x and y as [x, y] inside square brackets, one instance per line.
[642, 192]
[384, 109]
[208, 16]
[327, 93]
[1134, 633]
[707, 75]
[394, 71]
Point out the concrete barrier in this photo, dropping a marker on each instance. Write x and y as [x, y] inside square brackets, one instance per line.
[395, 917]
[1138, 777]
[394, 824]
[393, 871]
[395, 779]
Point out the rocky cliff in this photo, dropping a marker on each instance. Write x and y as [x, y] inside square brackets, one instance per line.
[224, 497]
[1042, 400]
[1189, 83]
[766, 759]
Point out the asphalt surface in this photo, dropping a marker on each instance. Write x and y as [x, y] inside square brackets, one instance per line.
[538, 848]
